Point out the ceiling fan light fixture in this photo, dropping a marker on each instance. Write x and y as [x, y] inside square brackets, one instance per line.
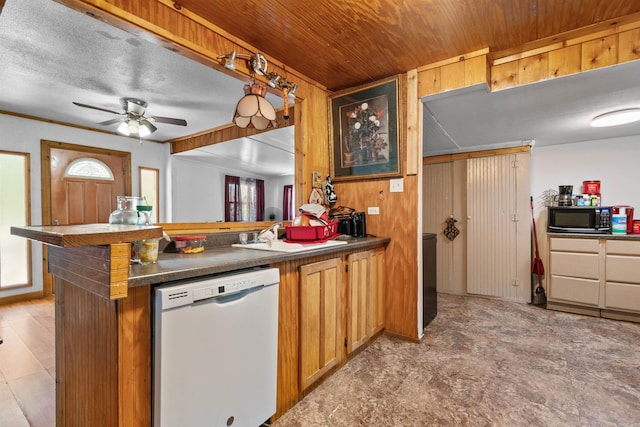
[146, 128]
[124, 128]
[615, 118]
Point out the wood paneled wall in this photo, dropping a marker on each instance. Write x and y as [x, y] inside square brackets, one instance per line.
[608, 44]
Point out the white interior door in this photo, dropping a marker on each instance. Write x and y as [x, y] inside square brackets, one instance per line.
[498, 231]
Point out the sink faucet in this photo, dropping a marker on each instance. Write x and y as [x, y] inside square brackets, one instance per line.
[269, 234]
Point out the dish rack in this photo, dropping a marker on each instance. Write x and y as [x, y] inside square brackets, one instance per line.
[312, 233]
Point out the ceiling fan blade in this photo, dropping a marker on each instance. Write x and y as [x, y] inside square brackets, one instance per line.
[169, 120]
[95, 108]
[110, 122]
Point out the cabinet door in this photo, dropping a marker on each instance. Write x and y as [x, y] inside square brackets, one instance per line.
[319, 319]
[358, 300]
[378, 279]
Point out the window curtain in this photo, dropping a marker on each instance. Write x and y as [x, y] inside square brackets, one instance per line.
[287, 203]
[244, 199]
[232, 200]
[259, 200]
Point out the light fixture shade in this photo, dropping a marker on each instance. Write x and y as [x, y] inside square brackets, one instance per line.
[230, 62]
[124, 128]
[146, 128]
[253, 110]
[615, 118]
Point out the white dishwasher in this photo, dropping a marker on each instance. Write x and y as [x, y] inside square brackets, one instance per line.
[215, 350]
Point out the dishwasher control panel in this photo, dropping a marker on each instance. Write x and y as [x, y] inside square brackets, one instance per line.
[203, 288]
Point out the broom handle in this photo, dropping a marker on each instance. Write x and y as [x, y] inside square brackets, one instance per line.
[535, 234]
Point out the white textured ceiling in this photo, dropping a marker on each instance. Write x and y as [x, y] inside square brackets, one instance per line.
[51, 55]
[555, 111]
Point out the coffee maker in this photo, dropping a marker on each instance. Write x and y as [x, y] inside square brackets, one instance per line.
[564, 195]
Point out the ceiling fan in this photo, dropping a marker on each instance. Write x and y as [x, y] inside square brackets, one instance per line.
[133, 120]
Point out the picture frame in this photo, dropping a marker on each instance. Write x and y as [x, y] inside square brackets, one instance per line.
[365, 132]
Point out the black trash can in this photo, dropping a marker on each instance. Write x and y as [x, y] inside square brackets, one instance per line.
[429, 278]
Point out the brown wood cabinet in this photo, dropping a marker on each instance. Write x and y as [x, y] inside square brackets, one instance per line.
[320, 314]
[365, 306]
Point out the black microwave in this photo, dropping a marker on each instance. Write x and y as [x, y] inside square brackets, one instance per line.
[579, 219]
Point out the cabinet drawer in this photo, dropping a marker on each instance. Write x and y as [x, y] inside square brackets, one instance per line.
[622, 296]
[621, 268]
[574, 290]
[573, 264]
[575, 245]
[623, 247]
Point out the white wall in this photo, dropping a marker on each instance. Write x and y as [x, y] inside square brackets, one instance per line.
[199, 184]
[614, 162]
[24, 135]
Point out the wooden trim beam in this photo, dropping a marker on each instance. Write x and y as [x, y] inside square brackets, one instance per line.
[224, 133]
[443, 158]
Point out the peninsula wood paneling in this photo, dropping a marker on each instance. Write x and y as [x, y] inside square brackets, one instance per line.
[86, 358]
[134, 357]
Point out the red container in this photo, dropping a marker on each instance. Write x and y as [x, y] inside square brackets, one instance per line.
[636, 226]
[312, 233]
[590, 187]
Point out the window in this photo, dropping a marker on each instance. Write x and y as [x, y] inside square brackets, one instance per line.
[88, 168]
[243, 199]
[149, 180]
[15, 255]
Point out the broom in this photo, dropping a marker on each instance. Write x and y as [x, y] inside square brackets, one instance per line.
[537, 268]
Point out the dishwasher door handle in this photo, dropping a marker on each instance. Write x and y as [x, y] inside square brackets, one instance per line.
[229, 298]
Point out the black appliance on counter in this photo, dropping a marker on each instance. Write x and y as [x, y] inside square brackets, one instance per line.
[579, 219]
[355, 225]
[429, 278]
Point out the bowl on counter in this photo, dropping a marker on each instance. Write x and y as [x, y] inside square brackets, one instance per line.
[189, 244]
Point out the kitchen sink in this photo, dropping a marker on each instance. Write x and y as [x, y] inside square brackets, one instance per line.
[282, 246]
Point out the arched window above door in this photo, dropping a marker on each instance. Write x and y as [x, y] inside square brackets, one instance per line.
[88, 168]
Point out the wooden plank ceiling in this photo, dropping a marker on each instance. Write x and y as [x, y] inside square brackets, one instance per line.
[344, 43]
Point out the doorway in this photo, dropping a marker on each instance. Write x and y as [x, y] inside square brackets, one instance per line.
[79, 186]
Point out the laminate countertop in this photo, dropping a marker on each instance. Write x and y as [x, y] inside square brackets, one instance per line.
[635, 237]
[225, 258]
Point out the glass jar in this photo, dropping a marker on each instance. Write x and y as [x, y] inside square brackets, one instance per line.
[144, 214]
[126, 212]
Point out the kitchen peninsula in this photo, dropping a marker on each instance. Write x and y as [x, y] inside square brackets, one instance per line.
[103, 313]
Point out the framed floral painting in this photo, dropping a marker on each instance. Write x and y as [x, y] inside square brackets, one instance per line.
[365, 132]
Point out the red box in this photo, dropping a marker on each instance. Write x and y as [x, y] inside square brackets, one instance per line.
[312, 233]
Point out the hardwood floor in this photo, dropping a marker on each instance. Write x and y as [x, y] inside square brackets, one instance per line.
[27, 364]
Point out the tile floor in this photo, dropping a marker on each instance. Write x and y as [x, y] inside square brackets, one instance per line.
[484, 362]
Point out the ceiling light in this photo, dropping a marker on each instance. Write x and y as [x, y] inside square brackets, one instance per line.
[146, 128]
[615, 118]
[274, 79]
[124, 128]
[230, 60]
[253, 110]
[139, 127]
